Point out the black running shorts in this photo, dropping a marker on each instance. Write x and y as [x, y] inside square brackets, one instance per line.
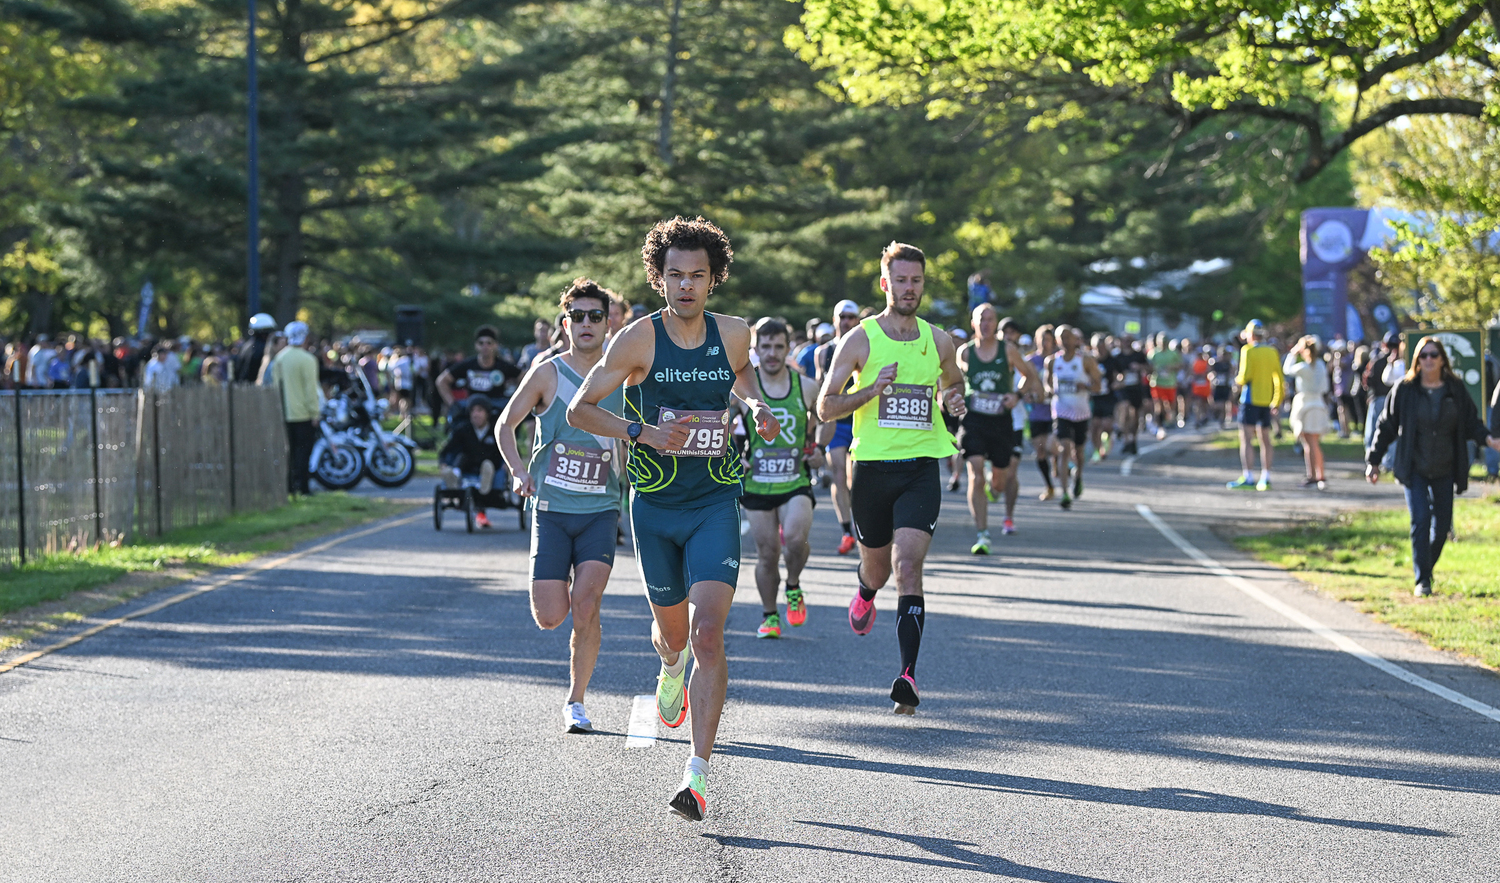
[891, 494]
[1103, 406]
[1075, 431]
[991, 436]
[769, 502]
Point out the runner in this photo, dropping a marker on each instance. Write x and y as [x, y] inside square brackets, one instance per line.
[679, 369]
[1261, 389]
[845, 320]
[1072, 376]
[902, 370]
[778, 496]
[1102, 404]
[572, 485]
[485, 373]
[1166, 361]
[986, 432]
[1130, 369]
[1040, 412]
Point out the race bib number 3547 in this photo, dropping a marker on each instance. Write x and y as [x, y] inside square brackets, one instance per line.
[708, 432]
[905, 406]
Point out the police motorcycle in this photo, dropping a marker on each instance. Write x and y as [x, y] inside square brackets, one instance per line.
[354, 445]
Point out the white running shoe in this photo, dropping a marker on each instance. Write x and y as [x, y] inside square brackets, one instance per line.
[577, 721]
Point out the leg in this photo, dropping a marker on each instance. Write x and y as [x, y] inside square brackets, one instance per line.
[979, 504]
[1315, 445]
[796, 517]
[1265, 449]
[588, 590]
[1419, 504]
[709, 603]
[1012, 487]
[1442, 519]
[910, 552]
[764, 527]
[1307, 454]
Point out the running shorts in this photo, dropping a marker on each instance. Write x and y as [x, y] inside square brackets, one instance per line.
[677, 548]
[1075, 431]
[1133, 395]
[1255, 415]
[952, 422]
[1040, 428]
[1163, 394]
[560, 541]
[843, 434]
[1202, 390]
[991, 436]
[1103, 406]
[1221, 394]
[892, 494]
[768, 502]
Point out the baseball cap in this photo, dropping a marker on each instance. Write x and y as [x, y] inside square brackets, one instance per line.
[1392, 339]
[1026, 340]
[825, 331]
[296, 333]
[846, 306]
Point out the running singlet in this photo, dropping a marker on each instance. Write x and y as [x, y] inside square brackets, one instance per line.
[1068, 401]
[695, 383]
[988, 382]
[775, 467]
[1164, 367]
[1039, 411]
[572, 470]
[904, 420]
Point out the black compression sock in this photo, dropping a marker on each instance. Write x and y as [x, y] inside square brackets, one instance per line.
[1045, 467]
[910, 617]
[865, 591]
[848, 528]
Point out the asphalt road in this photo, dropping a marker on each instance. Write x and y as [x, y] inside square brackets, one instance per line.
[1096, 706]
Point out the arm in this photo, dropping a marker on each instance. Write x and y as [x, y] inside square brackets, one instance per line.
[1278, 382]
[814, 426]
[850, 357]
[1030, 382]
[951, 382]
[539, 385]
[1387, 427]
[627, 358]
[1091, 367]
[445, 386]
[736, 336]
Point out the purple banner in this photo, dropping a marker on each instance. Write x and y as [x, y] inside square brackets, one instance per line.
[1330, 241]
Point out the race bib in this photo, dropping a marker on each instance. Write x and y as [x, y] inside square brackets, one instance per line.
[987, 403]
[1132, 378]
[905, 406]
[578, 468]
[708, 432]
[775, 465]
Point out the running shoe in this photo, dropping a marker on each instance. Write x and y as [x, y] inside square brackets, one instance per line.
[1309, 482]
[982, 544]
[796, 608]
[482, 519]
[1077, 486]
[846, 545]
[577, 721]
[1047, 494]
[671, 698]
[1263, 485]
[953, 483]
[904, 694]
[1009, 527]
[1094, 457]
[770, 626]
[1243, 483]
[1161, 433]
[861, 614]
[989, 493]
[1067, 501]
[1422, 590]
[691, 802]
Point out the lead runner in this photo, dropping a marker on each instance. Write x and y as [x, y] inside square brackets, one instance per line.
[679, 371]
[902, 369]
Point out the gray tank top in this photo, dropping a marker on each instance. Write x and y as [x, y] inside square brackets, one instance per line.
[574, 471]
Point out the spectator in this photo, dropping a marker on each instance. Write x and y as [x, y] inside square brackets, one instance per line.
[979, 289]
[159, 375]
[247, 368]
[402, 383]
[472, 456]
[1309, 410]
[17, 355]
[294, 371]
[541, 332]
[485, 373]
[39, 359]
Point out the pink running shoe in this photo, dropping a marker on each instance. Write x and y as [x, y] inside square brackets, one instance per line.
[861, 614]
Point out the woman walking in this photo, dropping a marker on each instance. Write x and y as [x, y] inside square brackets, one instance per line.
[1430, 417]
[1305, 368]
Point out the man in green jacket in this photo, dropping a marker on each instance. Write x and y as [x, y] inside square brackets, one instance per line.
[294, 372]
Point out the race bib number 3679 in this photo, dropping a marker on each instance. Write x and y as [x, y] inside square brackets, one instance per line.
[708, 432]
[905, 406]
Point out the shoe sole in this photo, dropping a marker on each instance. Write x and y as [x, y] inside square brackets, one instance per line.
[768, 634]
[680, 718]
[904, 696]
[686, 804]
[576, 730]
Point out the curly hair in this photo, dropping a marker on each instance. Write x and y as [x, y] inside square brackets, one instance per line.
[684, 235]
[588, 289]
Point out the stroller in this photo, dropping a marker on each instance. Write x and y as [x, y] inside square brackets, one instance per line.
[463, 489]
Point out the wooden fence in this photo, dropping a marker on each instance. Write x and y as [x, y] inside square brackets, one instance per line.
[84, 467]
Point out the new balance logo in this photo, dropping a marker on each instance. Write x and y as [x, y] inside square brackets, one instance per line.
[732, 563]
[713, 351]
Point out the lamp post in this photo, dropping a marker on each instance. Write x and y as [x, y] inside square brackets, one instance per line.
[253, 96]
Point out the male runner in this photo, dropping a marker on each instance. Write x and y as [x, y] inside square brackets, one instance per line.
[1072, 376]
[1165, 363]
[902, 369]
[778, 498]
[485, 373]
[845, 320]
[572, 485]
[679, 370]
[1102, 403]
[1040, 412]
[1261, 388]
[990, 366]
[1131, 368]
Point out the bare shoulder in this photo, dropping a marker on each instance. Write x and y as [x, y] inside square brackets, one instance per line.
[734, 330]
[944, 342]
[634, 348]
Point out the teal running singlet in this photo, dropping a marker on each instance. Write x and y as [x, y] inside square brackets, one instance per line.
[696, 383]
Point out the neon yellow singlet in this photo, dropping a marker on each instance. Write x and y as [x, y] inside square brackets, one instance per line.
[917, 363]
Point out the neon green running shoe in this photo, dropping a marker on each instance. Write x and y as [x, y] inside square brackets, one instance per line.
[770, 626]
[981, 544]
[989, 493]
[1263, 485]
[1243, 483]
[671, 698]
[692, 801]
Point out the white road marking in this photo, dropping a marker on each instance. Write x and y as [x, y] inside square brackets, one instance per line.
[1129, 462]
[1340, 641]
[642, 733]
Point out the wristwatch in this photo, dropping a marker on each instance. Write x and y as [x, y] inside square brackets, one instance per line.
[634, 430]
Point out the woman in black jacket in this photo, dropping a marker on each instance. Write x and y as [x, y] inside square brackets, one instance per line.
[1430, 418]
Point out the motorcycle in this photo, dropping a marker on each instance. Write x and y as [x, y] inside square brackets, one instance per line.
[353, 445]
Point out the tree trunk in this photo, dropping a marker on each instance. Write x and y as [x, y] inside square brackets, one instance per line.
[669, 87]
[289, 186]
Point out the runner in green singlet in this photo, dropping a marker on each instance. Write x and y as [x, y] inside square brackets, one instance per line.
[778, 498]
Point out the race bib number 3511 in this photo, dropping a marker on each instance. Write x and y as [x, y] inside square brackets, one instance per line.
[905, 406]
[708, 432]
[578, 468]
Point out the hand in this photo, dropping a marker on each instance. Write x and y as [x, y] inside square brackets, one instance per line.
[1372, 473]
[813, 455]
[885, 378]
[954, 401]
[520, 482]
[670, 436]
[1494, 442]
[1009, 400]
[766, 424]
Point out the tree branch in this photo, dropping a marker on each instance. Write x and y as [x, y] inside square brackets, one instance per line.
[1444, 41]
[1320, 154]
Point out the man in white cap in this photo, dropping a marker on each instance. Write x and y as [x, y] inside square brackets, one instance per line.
[837, 436]
[294, 373]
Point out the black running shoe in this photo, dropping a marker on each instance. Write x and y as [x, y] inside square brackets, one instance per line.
[689, 802]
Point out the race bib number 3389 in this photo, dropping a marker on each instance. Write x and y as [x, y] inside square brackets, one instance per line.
[905, 406]
[708, 432]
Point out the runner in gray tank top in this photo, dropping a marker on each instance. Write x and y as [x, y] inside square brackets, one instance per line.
[572, 485]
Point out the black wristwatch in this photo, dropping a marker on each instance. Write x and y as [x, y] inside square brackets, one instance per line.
[634, 430]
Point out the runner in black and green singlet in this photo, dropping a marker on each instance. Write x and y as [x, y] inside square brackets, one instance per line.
[778, 496]
[679, 371]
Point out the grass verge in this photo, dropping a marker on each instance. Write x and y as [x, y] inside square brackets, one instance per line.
[1365, 558]
[57, 589]
[1334, 448]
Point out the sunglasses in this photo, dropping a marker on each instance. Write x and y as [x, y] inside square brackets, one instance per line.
[594, 316]
[1429, 354]
[850, 316]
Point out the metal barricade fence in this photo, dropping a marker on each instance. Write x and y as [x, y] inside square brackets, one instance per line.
[83, 467]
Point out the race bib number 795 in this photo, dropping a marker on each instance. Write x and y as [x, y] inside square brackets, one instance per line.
[708, 432]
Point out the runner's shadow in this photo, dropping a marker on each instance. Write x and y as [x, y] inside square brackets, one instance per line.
[951, 854]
